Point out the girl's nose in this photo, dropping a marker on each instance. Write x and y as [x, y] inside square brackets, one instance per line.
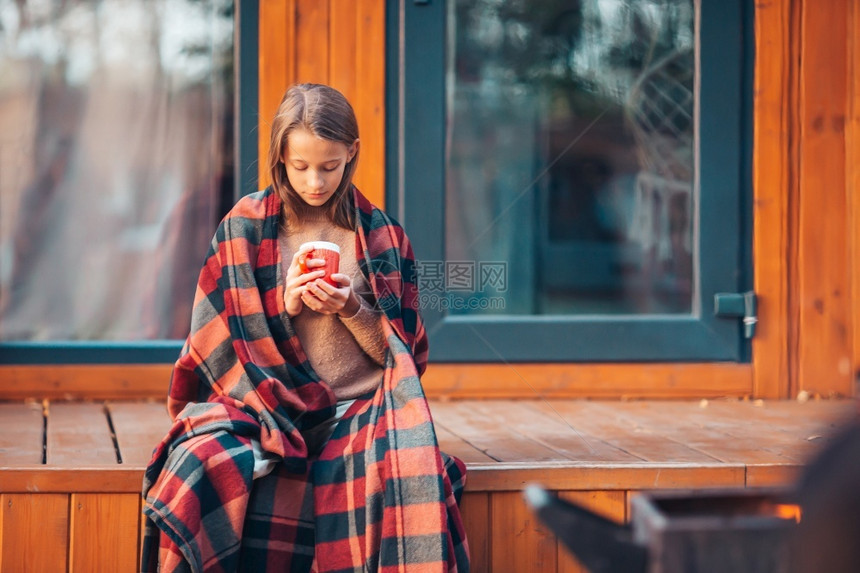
[315, 179]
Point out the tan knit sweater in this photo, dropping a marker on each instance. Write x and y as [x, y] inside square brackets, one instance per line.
[347, 353]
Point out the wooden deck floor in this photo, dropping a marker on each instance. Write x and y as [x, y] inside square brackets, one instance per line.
[565, 444]
[70, 473]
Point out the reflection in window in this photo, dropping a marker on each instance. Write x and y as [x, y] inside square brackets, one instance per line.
[570, 154]
[115, 163]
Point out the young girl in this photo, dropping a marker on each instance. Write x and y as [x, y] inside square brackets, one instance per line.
[302, 439]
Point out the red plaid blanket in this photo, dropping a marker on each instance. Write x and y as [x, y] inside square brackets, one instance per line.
[380, 497]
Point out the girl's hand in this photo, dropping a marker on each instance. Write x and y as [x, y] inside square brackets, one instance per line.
[326, 299]
[297, 280]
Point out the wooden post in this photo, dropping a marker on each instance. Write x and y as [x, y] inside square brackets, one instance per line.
[771, 192]
[824, 285]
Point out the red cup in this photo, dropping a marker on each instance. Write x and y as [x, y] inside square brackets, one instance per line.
[329, 252]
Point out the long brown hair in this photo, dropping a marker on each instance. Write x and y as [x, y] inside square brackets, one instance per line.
[326, 113]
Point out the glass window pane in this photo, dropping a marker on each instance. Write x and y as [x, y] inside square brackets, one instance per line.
[116, 152]
[571, 155]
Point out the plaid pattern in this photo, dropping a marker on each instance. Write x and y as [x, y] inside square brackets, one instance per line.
[380, 497]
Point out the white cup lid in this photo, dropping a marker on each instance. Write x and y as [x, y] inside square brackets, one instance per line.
[321, 245]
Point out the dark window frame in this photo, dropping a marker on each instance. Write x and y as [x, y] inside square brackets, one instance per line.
[246, 48]
[415, 173]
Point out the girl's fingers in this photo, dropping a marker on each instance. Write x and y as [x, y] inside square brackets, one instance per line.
[300, 265]
[298, 256]
[323, 286]
[309, 299]
[323, 297]
[301, 252]
[342, 279]
[333, 292]
[305, 278]
[318, 292]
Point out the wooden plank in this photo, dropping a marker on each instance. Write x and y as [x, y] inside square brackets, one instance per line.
[462, 381]
[686, 423]
[789, 429]
[277, 69]
[21, 434]
[475, 511]
[141, 526]
[795, 433]
[639, 442]
[771, 179]
[456, 446]
[538, 380]
[792, 433]
[35, 532]
[797, 419]
[520, 541]
[117, 479]
[853, 184]
[312, 41]
[104, 532]
[343, 55]
[551, 429]
[139, 427]
[722, 438]
[793, 192]
[603, 476]
[78, 435]
[498, 441]
[84, 381]
[787, 412]
[609, 504]
[369, 101]
[772, 475]
[824, 289]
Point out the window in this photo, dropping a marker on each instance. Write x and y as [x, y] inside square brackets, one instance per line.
[117, 159]
[586, 164]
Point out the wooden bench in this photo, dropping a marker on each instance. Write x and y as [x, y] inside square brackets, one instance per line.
[70, 472]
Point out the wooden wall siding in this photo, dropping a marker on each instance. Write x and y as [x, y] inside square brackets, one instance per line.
[147, 381]
[824, 305]
[534, 380]
[84, 381]
[35, 533]
[95, 532]
[48, 532]
[104, 532]
[771, 180]
[853, 163]
[806, 214]
[336, 42]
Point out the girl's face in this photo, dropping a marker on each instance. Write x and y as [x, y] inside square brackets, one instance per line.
[315, 165]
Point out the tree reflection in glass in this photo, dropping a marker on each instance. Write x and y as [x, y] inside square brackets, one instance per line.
[571, 153]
